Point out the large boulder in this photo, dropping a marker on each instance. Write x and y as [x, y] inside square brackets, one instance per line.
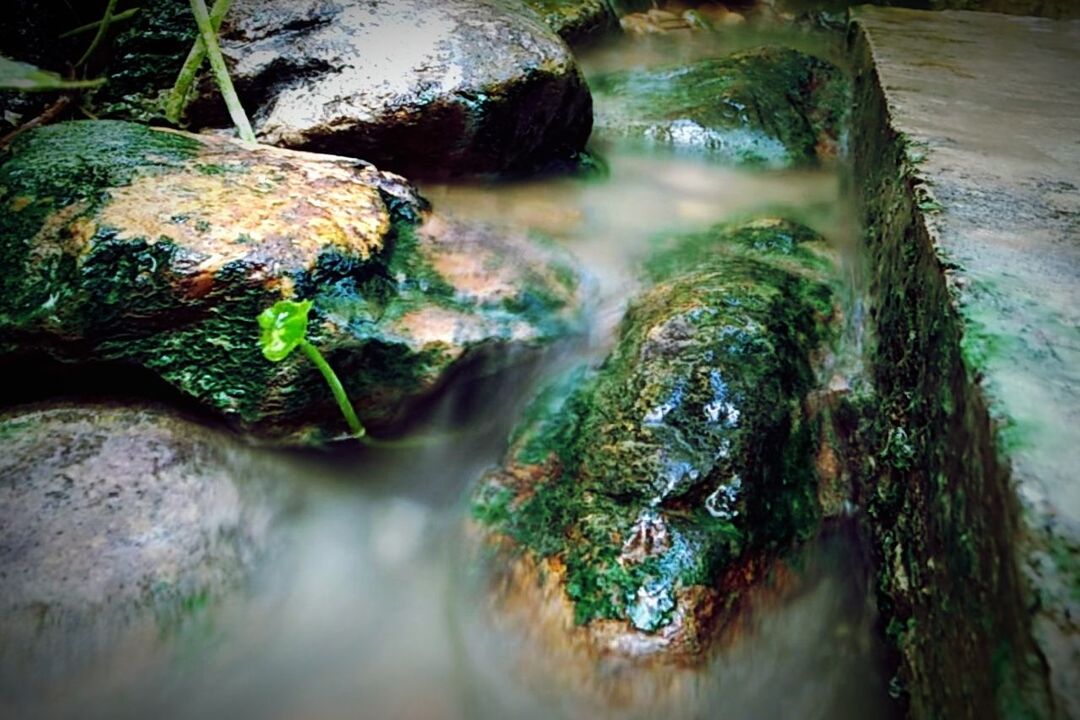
[654, 490]
[116, 517]
[159, 249]
[424, 89]
[767, 107]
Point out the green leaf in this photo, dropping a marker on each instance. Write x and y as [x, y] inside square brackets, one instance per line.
[284, 327]
[24, 76]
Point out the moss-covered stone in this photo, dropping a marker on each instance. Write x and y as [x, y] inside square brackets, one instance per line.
[771, 107]
[577, 21]
[937, 497]
[687, 456]
[146, 57]
[125, 243]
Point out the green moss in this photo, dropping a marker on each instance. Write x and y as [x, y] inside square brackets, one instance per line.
[691, 431]
[147, 56]
[66, 165]
[757, 108]
[784, 244]
[938, 505]
[576, 20]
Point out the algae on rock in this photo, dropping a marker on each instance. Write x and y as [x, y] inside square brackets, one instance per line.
[159, 249]
[769, 107]
[686, 458]
[577, 21]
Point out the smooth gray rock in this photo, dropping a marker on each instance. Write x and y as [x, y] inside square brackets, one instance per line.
[111, 511]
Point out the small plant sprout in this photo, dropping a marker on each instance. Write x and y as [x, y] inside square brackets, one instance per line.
[284, 328]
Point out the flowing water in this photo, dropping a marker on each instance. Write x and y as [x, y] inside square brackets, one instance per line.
[366, 605]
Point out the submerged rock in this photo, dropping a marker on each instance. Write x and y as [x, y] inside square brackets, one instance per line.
[111, 512]
[159, 249]
[424, 89]
[770, 107]
[658, 487]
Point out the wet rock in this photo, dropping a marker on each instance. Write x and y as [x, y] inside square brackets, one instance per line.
[159, 249]
[577, 21]
[658, 487]
[110, 512]
[424, 89]
[769, 107]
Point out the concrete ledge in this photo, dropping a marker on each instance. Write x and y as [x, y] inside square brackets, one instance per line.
[966, 140]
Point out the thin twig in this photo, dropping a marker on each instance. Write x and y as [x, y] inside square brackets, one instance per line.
[178, 96]
[221, 72]
[48, 115]
[102, 30]
[118, 17]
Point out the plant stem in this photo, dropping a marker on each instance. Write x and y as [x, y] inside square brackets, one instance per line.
[103, 28]
[336, 388]
[221, 73]
[118, 17]
[178, 96]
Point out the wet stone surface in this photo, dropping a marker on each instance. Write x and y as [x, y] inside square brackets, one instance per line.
[577, 21]
[134, 245]
[479, 86]
[767, 107]
[969, 164]
[661, 484]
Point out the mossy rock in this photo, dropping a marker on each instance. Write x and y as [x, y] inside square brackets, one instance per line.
[766, 107]
[577, 21]
[684, 463]
[159, 249]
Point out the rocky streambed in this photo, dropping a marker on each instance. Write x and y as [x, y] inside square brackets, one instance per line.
[601, 307]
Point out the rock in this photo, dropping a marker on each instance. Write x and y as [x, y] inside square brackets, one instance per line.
[424, 89]
[577, 21]
[972, 506]
[159, 249]
[111, 514]
[770, 107]
[660, 486]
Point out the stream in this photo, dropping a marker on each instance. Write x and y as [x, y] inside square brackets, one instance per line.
[367, 605]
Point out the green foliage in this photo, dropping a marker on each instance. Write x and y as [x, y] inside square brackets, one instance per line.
[284, 327]
[30, 78]
[208, 37]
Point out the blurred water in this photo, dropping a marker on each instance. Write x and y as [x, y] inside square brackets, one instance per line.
[366, 607]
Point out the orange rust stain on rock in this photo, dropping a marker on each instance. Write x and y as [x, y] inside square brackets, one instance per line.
[279, 210]
[197, 286]
[528, 598]
[19, 203]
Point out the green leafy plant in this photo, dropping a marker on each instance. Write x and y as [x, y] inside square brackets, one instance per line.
[178, 96]
[284, 329]
[208, 38]
[17, 75]
[116, 18]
